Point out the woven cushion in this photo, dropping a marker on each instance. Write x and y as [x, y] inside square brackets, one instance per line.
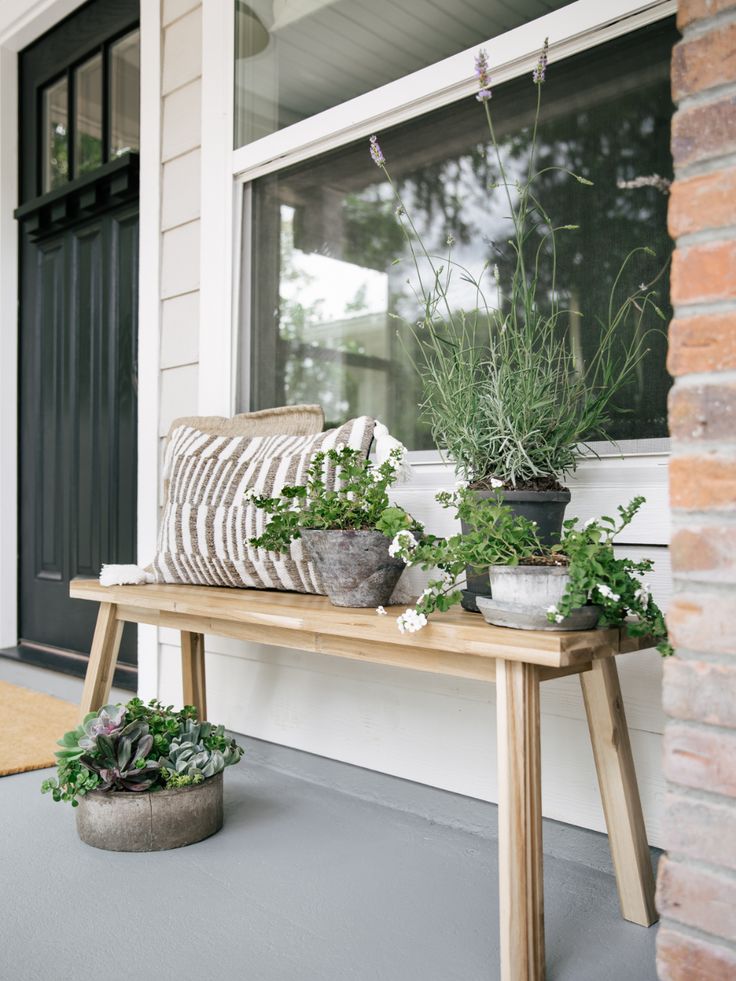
[207, 521]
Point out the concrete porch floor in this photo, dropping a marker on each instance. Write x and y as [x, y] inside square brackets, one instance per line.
[322, 872]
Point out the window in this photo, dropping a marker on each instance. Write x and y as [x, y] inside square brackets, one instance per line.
[294, 58]
[101, 130]
[325, 286]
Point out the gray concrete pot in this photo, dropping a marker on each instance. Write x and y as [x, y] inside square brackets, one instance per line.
[150, 821]
[522, 595]
[547, 508]
[354, 566]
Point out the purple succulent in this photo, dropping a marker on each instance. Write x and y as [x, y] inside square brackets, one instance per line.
[108, 720]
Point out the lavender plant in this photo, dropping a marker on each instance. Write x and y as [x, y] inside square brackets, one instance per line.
[504, 392]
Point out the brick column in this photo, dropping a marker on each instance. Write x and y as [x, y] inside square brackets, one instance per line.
[696, 891]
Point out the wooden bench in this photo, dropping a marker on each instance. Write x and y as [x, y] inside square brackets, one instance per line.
[455, 643]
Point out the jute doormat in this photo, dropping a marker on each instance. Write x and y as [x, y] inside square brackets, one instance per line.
[30, 724]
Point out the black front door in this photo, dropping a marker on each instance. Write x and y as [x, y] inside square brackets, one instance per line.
[78, 226]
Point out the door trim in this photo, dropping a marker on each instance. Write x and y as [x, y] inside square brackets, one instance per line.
[21, 23]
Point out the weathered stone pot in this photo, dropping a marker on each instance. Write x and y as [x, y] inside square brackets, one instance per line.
[523, 593]
[546, 508]
[150, 821]
[354, 566]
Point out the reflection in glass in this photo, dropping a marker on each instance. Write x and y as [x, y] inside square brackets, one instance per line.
[326, 289]
[294, 58]
[55, 137]
[88, 116]
[125, 95]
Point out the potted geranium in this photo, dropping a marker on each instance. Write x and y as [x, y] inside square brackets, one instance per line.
[506, 394]
[346, 532]
[143, 777]
[574, 584]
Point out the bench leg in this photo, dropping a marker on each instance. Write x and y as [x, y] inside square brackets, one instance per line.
[521, 887]
[102, 659]
[192, 670]
[627, 835]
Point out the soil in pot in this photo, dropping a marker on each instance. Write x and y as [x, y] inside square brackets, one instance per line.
[151, 821]
[546, 507]
[523, 593]
[354, 566]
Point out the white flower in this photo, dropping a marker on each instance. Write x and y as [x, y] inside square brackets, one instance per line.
[249, 495]
[339, 447]
[495, 483]
[461, 485]
[552, 609]
[402, 539]
[559, 618]
[411, 621]
[380, 611]
[607, 593]
[643, 594]
[376, 476]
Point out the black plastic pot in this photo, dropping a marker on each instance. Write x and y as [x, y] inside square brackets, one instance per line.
[547, 508]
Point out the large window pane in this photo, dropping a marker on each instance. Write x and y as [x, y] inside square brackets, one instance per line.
[295, 58]
[125, 95]
[55, 135]
[325, 284]
[88, 116]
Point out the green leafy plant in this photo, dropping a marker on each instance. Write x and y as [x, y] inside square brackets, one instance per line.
[139, 747]
[497, 536]
[359, 501]
[505, 392]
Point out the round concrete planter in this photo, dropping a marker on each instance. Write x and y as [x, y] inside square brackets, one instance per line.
[547, 508]
[354, 566]
[150, 821]
[522, 595]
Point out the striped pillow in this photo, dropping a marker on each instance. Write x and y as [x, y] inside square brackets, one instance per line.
[207, 522]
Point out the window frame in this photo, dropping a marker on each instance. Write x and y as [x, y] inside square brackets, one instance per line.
[578, 27]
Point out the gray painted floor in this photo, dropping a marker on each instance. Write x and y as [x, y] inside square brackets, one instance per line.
[323, 872]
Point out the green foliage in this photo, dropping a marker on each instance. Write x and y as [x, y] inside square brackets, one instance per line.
[505, 391]
[359, 501]
[497, 536]
[139, 747]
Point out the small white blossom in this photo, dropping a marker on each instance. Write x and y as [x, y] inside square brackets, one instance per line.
[250, 494]
[607, 592]
[461, 485]
[643, 594]
[380, 611]
[559, 618]
[339, 447]
[496, 483]
[376, 476]
[411, 621]
[402, 539]
[552, 609]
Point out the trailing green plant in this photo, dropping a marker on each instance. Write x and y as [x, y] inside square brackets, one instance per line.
[497, 536]
[199, 752]
[359, 501]
[505, 392]
[139, 747]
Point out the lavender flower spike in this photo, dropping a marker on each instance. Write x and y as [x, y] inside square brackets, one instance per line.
[538, 75]
[483, 75]
[377, 153]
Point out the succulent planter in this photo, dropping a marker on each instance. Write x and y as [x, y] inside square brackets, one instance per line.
[546, 508]
[354, 566]
[151, 821]
[522, 594]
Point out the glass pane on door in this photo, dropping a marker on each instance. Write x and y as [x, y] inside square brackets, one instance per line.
[55, 135]
[88, 116]
[125, 95]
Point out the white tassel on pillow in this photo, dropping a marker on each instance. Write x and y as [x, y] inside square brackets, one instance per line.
[124, 575]
[385, 444]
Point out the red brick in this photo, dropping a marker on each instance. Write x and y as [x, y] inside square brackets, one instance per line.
[689, 11]
[685, 958]
[703, 482]
[699, 203]
[700, 691]
[703, 412]
[707, 552]
[700, 757]
[702, 343]
[704, 132]
[704, 272]
[701, 830]
[700, 63]
[697, 897]
[703, 623]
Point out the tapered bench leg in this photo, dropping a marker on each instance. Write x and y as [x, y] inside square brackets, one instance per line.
[521, 893]
[192, 669]
[627, 835]
[102, 659]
